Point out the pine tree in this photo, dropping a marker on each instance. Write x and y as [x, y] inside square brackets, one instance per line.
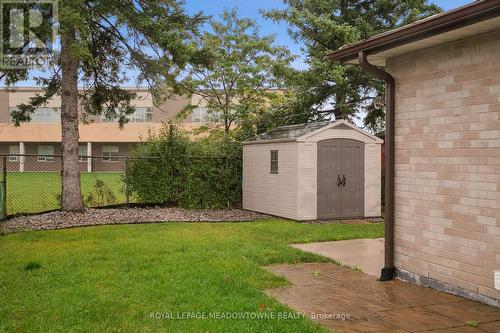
[102, 41]
[323, 26]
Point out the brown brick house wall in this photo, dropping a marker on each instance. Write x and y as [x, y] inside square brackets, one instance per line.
[31, 163]
[98, 165]
[447, 161]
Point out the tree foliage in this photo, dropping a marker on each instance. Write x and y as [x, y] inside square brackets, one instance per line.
[324, 26]
[116, 41]
[244, 71]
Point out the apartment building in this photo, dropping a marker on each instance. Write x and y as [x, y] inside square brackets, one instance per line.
[99, 136]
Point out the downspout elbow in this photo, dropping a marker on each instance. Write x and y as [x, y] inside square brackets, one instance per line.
[389, 270]
[377, 71]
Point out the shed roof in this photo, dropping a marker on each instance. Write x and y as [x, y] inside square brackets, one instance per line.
[303, 132]
[288, 133]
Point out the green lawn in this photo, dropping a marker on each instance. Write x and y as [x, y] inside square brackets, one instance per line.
[111, 278]
[32, 192]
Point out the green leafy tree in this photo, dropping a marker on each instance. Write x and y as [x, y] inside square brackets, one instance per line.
[245, 70]
[323, 26]
[101, 41]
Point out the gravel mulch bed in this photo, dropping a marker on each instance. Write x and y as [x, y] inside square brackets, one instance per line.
[95, 216]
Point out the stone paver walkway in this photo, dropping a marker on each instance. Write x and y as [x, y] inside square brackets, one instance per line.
[347, 301]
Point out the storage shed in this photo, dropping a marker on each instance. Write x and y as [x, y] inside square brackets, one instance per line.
[313, 171]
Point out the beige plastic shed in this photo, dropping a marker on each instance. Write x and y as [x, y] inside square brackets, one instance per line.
[313, 171]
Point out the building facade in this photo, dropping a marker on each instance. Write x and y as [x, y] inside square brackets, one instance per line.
[99, 136]
[447, 178]
[442, 78]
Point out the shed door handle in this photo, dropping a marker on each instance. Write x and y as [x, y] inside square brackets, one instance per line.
[339, 181]
[343, 180]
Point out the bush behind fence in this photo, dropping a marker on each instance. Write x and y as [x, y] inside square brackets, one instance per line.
[203, 173]
[202, 181]
[32, 183]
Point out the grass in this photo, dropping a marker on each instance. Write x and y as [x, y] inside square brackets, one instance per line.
[112, 278]
[33, 192]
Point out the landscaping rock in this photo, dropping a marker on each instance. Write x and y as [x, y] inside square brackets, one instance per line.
[96, 216]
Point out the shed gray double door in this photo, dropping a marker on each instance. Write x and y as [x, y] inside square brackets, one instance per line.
[340, 178]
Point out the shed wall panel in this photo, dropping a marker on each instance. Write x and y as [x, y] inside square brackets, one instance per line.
[307, 184]
[274, 194]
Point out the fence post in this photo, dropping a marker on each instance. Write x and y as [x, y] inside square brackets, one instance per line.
[4, 188]
[127, 198]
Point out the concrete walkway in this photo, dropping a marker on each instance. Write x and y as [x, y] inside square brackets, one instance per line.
[365, 254]
[344, 300]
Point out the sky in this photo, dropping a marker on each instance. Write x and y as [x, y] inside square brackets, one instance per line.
[251, 9]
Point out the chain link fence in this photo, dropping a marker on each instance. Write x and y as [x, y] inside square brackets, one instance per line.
[32, 183]
[3, 190]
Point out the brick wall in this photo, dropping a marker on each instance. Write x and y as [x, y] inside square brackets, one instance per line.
[447, 181]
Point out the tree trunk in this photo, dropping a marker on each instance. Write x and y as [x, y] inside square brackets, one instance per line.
[227, 126]
[71, 199]
[227, 114]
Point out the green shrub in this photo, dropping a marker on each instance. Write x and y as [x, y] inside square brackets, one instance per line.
[154, 176]
[101, 195]
[212, 179]
[170, 168]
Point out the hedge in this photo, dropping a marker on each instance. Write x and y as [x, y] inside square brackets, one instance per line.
[171, 168]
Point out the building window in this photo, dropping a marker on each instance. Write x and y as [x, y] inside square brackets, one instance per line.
[82, 153]
[45, 154]
[15, 151]
[202, 115]
[110, 153]
[108, 119]
[274, 161]
[140, 115]
[44, 115]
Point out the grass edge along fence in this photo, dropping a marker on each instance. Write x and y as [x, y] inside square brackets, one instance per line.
[35, 186]
[209, 180]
